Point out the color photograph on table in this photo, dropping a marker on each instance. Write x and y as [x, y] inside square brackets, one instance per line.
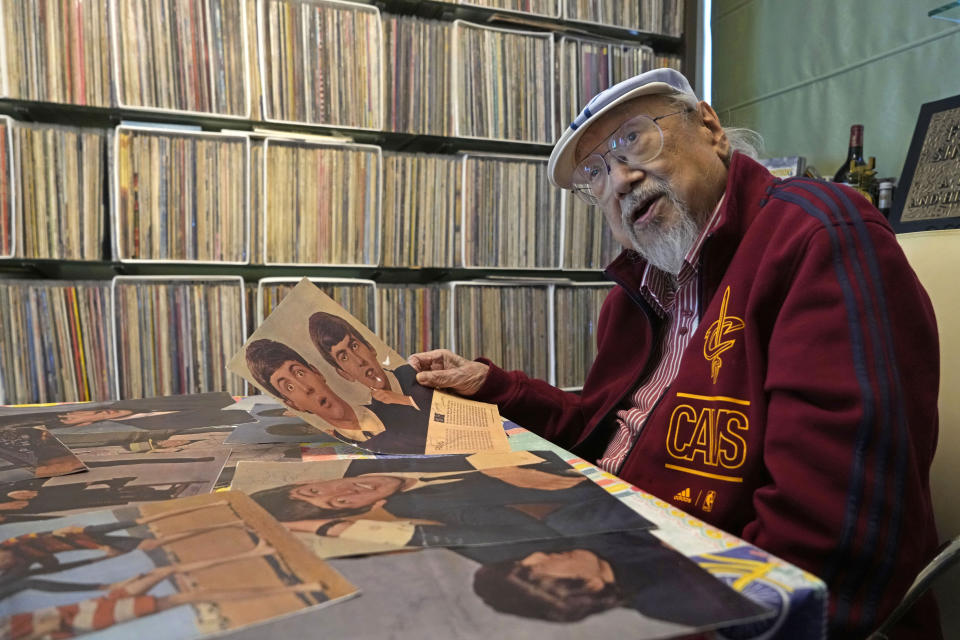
[348, 507]
[619, 584]
[332, 371]
[180, 568]
[276, 424]
[112, 481]
[142, 425]
[33, 452]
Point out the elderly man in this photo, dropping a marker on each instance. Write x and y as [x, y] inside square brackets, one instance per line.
[768, 362]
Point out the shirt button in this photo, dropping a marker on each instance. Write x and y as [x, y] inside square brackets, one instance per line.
[683, 331]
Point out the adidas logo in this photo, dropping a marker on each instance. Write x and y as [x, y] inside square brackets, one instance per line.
[683, 496]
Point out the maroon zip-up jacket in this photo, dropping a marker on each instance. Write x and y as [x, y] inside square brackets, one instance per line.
[804, 414]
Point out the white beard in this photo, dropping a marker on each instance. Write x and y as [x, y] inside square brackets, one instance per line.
[665, 241]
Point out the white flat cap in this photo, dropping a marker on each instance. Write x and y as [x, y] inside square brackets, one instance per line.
[664, 81]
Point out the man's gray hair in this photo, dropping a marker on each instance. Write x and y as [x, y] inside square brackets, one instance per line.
[746, 141]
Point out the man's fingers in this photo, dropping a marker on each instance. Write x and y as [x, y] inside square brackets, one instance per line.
[437, 379]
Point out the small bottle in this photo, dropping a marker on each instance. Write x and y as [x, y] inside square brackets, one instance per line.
[885, 197]
[854, 155]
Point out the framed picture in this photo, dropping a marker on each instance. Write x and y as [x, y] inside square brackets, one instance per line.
[928, 195]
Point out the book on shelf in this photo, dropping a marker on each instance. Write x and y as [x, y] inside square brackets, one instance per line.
[56, 342]
[510, 323]
[175, 334]
[321, 203]
[180, 195]
[321, 62]
[576, 309]
[520, 228]
[357, 295]
[182, 56]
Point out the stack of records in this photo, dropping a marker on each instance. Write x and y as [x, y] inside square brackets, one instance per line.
[673, 16]
[588, 242]
[181, 195]
[548, 8]
[417, 75]
[176, 334]
[59, 185]
[322, 203]
[7, 217]
[494, 70]
[576, 309]
[257, 231]
[321, 63]
[672, 60]
[182, 55]
[628, 60]
[255, 82]
[509, 218]
[420, 199]
[607, 12]
[508, 323]
[584, 71]
[414, 318]
[56, 51]
[357, 296]
[55, 341]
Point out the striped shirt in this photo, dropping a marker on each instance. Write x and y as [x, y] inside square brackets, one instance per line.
[677, 304]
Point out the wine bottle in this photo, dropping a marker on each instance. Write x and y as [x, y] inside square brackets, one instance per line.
[854, 155]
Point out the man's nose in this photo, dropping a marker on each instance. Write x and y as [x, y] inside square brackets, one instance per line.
[624, 177]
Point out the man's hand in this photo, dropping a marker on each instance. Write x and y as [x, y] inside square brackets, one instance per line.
[443, 369]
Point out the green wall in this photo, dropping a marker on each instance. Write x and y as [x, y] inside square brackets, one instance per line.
[800, 72]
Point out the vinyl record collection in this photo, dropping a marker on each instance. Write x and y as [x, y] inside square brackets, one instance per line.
[55, 342]
[182, 196]
[58, 174]
[508, 323]
[414, 318]
[584, 70]
[321, 63]
[322, 203]
[588, 242]
[420, 199]
[6, 188]
[494, 70]
[537, 7]
[418, 71]
[359, 297]
[576, 309]
[172, 337]
[182, 55]
[653, 16]
[57, 51]
[518, 228]
[176, 193]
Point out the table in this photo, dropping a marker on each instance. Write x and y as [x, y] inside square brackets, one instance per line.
[798, 597]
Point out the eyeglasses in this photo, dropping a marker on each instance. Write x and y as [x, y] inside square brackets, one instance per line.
[637, 141]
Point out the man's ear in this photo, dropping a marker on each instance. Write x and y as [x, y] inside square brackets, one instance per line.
[292, 405]
[346, 376]
[711, 121]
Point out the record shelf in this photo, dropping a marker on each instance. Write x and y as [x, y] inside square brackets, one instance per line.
[168, 164]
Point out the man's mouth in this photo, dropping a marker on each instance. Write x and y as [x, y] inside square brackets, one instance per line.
[642, 209]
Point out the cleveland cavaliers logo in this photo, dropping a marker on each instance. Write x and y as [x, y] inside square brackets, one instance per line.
[714, 340]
